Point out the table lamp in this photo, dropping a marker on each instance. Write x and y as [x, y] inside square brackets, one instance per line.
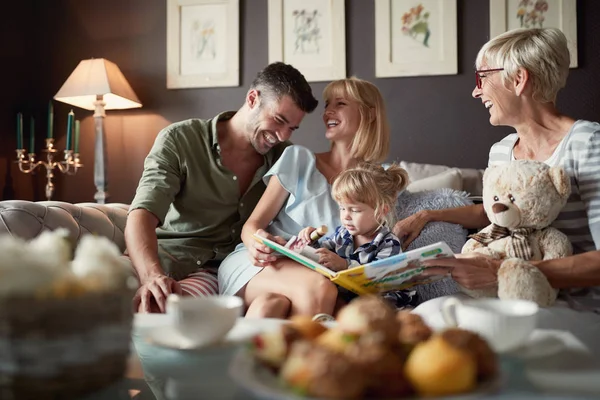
[98, 84]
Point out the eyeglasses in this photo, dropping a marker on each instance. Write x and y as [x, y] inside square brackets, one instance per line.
[478, 77]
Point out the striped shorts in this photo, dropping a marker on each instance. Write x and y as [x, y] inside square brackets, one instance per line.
[200, 283]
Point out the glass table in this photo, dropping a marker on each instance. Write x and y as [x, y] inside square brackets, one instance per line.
[161, 373]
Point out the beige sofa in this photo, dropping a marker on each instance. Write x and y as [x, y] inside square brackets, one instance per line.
[26, 219]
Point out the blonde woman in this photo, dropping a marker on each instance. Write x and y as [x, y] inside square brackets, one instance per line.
[298, 195]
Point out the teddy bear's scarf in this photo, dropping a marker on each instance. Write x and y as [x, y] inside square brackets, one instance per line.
[519, 245]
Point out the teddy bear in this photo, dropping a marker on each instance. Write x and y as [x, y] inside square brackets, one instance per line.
[521, 199]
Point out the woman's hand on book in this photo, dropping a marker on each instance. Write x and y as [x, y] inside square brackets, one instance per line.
[329, 259]
[260, 254]
[472, 270]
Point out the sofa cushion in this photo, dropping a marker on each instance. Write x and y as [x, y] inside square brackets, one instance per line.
[451, 179]
[472, 179]
[26, 219]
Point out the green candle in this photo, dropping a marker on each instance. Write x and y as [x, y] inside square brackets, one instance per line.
[69, 129]
[50, 119]
[76, 136]
[31, 135]
[19, 131]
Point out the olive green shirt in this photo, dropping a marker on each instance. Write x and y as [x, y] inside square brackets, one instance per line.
[196, 199]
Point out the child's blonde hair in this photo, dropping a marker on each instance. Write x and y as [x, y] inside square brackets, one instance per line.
[373, 185]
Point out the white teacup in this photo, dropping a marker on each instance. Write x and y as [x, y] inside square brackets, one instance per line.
[505, 324]
[204, 320]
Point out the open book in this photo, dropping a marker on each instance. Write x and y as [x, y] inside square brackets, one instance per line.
[393, 273]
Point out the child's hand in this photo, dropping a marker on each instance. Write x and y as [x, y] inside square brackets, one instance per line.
[331, 260]
[304, 234]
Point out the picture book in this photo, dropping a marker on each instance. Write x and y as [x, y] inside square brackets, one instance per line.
[397, 272]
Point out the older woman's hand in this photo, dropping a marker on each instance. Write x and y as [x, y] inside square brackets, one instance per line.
[260, 254]
[472, 271]
[409, 228]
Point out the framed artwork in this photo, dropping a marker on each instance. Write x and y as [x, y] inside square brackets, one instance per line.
[310, 35]
[415, 37]
[202, 43]
[562, 14]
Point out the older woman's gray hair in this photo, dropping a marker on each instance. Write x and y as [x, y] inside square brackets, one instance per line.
[542, 52]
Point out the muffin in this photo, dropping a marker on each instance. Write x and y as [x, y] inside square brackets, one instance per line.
[272, 348]
[412, 328]
[336, 340]
[382, 368]
[437, 368]
[487, 361]
[316, 371]
[369, 315]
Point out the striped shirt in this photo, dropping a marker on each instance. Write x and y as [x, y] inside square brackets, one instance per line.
[384, 245]
[579, 154]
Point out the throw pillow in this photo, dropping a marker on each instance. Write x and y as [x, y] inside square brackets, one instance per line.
[454, 235]
[451, 178]
[418, 171]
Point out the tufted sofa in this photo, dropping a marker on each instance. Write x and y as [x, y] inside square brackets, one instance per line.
[26, 219]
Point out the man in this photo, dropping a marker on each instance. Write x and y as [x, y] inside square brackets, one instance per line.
[201, 181]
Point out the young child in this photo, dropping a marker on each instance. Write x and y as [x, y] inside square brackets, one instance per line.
[367, 197]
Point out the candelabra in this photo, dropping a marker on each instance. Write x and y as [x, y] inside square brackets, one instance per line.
[69, 165]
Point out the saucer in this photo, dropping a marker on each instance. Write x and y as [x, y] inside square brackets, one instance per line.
[244, 329]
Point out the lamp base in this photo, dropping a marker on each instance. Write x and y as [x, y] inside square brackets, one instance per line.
[100, 179]
[101, 197]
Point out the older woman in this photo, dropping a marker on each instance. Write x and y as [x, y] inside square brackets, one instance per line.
[519, 74]
[298, 195]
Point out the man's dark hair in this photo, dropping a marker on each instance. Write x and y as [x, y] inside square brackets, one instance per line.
[279, 79]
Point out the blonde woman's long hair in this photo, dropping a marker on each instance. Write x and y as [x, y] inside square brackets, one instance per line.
[372, 139]
[371, 184]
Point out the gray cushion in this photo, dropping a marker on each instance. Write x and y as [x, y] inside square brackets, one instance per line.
[454, 235]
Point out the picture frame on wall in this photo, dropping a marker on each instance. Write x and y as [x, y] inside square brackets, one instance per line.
[414, 38]
[310, 35]
[202, 43]
[562, 14]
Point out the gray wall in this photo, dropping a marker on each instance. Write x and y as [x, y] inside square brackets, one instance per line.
[433, 119]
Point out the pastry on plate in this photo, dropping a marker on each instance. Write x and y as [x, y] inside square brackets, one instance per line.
[487, 361]
[382, 368]
[272, 347]
[316, 371]
[436, 367]
[369, 315]
[412, 328]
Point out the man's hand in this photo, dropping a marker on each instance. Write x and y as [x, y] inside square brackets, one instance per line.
[409, 228]
[331, 260]
[472, 271]
[260, 254]
[152, 295]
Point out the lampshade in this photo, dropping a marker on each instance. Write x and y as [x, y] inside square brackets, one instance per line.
[94, 77]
